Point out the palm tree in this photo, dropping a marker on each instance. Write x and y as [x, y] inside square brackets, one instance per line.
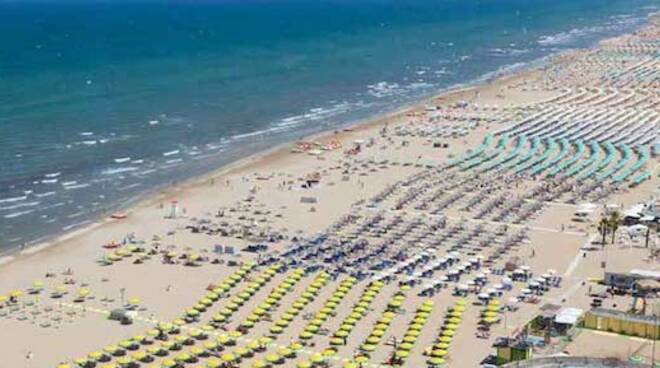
[603, 226]
[614, 223]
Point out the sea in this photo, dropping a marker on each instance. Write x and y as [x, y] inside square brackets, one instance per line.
[104, 102]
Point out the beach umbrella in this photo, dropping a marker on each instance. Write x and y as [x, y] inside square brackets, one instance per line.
[273, 358]
[213, 363]
[442, 345]
[197, 351]
[336, 341]
[413, 333]
[445, 339]
[110, 349]
[95, 355]
[316, 358]
[227, 357]
[304, 364]
[63, 365]
[450, 326]
[373, 340]
[459, 308]
[406, 346]
[438, 353]
[436, 361]
[368, 347]
[454, 320]
[235, 334]
[402, 354]
[15, 293]
[460, 302]
[350, 365]
[416, 326]
[183, 357]
[306, 335]
[242, 352]
[168, 363]
[490, 320]
[409, 339]
[361, 359]
[124, 361]
[276, 329]
[3, 298]
[210, 345]
[139, 355]
[448, 333]
[259, 364]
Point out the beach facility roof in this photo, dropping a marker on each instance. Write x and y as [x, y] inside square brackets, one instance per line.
[646, 274]
[568, 315]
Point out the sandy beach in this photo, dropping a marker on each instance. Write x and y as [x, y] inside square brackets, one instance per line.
[381, 230]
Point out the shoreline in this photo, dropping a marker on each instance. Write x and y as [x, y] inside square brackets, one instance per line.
[501, 75]
[54, 240]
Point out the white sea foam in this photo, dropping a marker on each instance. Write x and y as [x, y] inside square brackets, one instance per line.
[49, 181]
[122, 160]
[76, 186]
[171, 153]
[118, 170]
[69, 227]
[53, 175]
[17, 214]
[86, 134]
[13, 199]
[45, 194]
[19, 205]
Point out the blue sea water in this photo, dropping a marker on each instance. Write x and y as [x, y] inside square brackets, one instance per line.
[104, 101]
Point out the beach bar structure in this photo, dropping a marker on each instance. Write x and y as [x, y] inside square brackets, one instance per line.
[511, 350]
[619, 322]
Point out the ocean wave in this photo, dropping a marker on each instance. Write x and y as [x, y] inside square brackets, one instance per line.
[130, 186]
[171, 153]
[317, 113]
[53, 175]
[45, 194]
[49, 181]
[383, 89]
[13, 199]
[76, 186]
[77, 224]
[17, 214]
[118, 170]
[20, 205]
[617, 22]
[122, 160]
[508, 51]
